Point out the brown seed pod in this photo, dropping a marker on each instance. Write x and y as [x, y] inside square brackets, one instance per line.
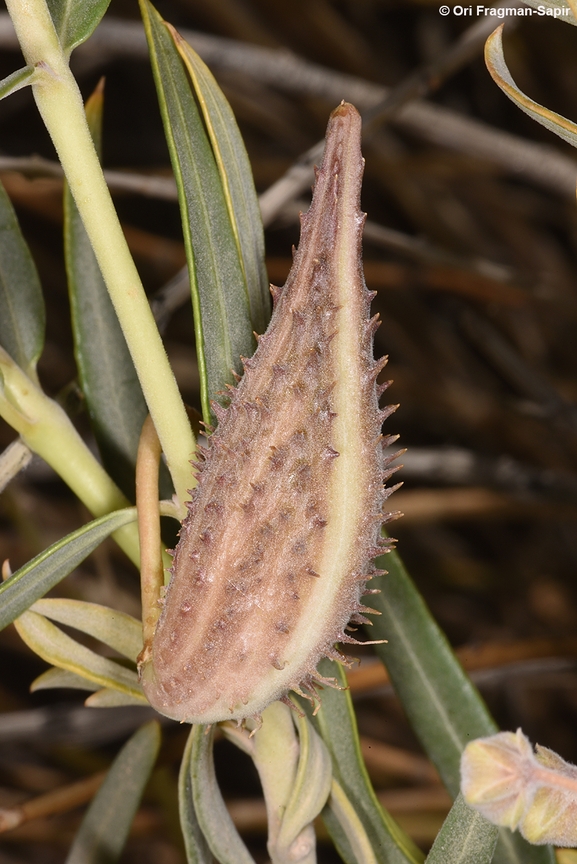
[275, 551]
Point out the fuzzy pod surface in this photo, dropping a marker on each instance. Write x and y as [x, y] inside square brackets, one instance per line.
[276, 549]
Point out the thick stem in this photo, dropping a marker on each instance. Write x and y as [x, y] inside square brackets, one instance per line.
[48, 431]
[60, 104]
[276, 756]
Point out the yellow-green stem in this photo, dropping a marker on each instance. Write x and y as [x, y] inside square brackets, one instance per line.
[48, 431]
[276, 756]
[60, 104]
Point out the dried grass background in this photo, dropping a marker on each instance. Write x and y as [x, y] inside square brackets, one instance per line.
[472, 249]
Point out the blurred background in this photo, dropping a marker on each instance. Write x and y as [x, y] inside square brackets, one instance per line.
[471, 245]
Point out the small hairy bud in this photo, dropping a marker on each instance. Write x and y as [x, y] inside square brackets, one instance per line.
[275, 551]
[512, 786]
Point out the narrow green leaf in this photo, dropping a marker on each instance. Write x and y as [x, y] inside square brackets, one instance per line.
[22, 315]
[237, 181]
[46, 570]
[495, 60]
[55, 678]
[222, 318]
[465, 838]
[443, 706]
[107, 375]
[16, 81]
[197, 849]
[561, 10]
[76, 20]
[116, 629]
[336, 723]
[358, 847]
[340, 827]
[105, 826]
[107, 698]
[54, 646]
[213, 817]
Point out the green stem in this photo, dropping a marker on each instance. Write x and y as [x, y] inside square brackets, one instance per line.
[60, 105]
[276, 756]
[295, 775]
[48, 431]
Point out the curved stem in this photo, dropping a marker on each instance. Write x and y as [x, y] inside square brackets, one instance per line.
[48, 431]
[60, 105]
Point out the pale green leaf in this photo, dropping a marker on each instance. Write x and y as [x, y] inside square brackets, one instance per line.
[495, 60]
[54, 646]
[237, 181]
[444, 708]
[465, 838]
[275, 753]
[213, 817]
[76, 20]
[312, 784]
[22, 315]
[336, 724]
[16, 81]
[107, 698]
[107, 375]
[197, 849]
[236, 735]
[104, 829]
[36, 578]
[295, 775]
[220, 304]
[116, 629]
[355, 846]
[54, 678]
[561, 10]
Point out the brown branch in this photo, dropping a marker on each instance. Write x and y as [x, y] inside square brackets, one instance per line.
[151, 570]
[60, 800]
[537, 163]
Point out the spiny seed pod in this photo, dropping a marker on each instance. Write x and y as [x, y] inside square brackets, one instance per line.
[275, 551]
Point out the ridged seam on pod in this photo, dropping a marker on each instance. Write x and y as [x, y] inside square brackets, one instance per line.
[275, 551]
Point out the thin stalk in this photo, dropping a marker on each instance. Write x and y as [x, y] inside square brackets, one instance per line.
[14, 458]
[60, 105]
[152, 568]
[60, 800]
